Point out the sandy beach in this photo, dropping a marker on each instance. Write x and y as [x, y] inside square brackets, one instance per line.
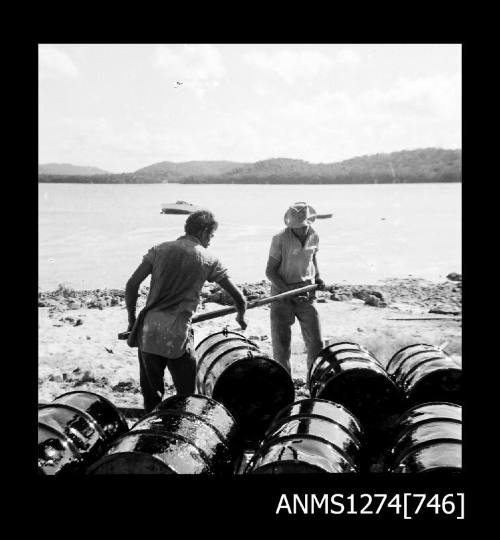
[79, 348]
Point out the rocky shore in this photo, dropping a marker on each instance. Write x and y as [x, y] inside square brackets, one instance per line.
[441, 298]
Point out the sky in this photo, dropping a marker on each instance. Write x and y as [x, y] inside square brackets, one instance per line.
[119, 107]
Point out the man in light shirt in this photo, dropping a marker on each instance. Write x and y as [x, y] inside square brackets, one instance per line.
[162, 331]
[293, 264]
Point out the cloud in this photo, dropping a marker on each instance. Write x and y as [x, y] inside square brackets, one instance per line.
[52, 63]
[198, 67]
[433, 96]
[292, 66]
[422, 99]
[331, 125]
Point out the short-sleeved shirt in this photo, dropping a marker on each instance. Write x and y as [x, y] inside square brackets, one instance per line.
[296, 260]
[180, 269]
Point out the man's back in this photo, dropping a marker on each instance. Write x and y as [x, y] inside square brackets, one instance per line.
[179, 270]
[162, 330]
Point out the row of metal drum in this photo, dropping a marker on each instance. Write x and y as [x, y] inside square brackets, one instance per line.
[316, 435]
[242, 402]
[254, 387]
[197, 435]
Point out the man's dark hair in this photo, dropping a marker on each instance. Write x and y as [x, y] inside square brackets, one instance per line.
[199, 221]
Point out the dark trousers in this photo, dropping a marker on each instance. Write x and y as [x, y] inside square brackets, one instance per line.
[152, 369]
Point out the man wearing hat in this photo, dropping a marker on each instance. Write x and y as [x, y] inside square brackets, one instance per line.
[293, 264]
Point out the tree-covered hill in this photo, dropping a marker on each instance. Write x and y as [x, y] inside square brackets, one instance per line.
[171, 172]
[69, 170]
[406, 166]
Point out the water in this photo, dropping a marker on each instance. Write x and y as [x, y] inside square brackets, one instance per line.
[94, 235]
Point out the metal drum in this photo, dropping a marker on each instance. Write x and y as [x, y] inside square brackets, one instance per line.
[79, 425]
[427, 438]
[183, 435]
[349, 374]
[251, 385]
[56, 453]
[108, 417]
[426, 373]
[310, 436]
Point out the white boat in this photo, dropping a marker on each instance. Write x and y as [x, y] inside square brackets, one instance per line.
[179, 207]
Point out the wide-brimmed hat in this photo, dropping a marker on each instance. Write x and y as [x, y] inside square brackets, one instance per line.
[299, 214]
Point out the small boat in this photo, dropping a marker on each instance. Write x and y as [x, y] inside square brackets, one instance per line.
[179, 207]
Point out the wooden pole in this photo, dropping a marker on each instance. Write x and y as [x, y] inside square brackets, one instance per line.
[251, 305]
[424, 319]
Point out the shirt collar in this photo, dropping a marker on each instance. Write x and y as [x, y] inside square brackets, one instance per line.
[190, 238]
[310, 231]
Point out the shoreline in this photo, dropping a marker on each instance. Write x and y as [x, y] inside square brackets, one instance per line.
[443, 297]
[79, 349]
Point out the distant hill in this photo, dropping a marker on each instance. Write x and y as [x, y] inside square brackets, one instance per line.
[172, 172]
[68, 170]
[406, 166]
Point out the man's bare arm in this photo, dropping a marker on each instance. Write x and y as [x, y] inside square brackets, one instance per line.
[239, 300]
[132, 290]
[318, 280]
[273, 276]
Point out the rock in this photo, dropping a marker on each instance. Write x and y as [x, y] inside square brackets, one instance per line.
[49, 302]
[321, 300]
[78, 322]
[445, 310]
[364, 294]
[55, 378]
[220, 297]
[74, 304]
[86, 377]
[126, 386]
[453, 276]
[341, 297]
[372, 300]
